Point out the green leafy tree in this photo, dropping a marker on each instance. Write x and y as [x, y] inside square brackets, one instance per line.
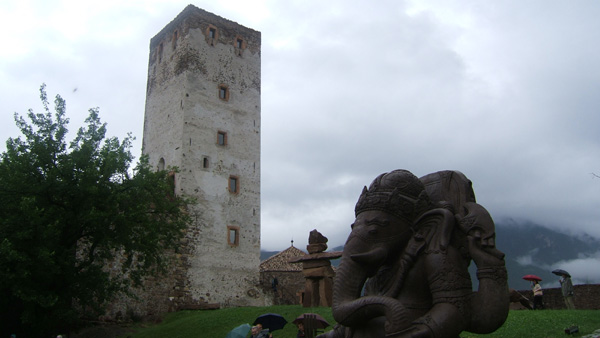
[67, 212]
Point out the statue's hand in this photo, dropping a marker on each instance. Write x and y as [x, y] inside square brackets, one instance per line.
[477, 222]
[484, 256]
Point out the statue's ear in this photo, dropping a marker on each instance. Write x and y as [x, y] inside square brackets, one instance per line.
[437, 225]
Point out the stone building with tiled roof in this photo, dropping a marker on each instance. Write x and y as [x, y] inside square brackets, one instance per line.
[280, 261]
[288, 276]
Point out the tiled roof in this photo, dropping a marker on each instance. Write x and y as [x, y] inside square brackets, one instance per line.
[280, 261]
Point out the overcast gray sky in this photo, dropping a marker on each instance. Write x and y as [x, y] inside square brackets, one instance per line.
[500, 90]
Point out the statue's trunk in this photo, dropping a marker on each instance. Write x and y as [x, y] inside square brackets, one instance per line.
[349, 309]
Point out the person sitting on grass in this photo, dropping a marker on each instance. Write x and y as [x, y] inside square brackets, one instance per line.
[300, 330]
[258, 332]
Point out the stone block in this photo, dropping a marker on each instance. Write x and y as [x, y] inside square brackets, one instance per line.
[320, 272]
[318, 247]
[315, 264]
[326, 292]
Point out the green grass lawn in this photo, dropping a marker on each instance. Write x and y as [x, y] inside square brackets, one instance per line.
[544, 324]
[216, 323]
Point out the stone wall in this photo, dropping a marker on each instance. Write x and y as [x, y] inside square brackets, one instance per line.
[586, 297]
[159, 294]
[289, 289]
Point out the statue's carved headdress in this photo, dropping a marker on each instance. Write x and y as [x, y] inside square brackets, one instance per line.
[399, 193]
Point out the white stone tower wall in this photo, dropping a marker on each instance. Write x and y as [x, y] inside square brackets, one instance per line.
[184, 113]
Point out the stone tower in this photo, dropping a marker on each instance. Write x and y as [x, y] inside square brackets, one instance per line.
[203, 117]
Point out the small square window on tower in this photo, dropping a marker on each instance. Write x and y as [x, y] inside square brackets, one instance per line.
[239, 45]
[221, 138]
[233, 235]
[234, 184]
[212, 34]
[224, 92]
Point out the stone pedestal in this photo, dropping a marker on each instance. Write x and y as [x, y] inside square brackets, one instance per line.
[317, 270]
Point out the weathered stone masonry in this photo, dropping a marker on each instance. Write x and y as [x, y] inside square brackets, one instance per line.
[203, 117]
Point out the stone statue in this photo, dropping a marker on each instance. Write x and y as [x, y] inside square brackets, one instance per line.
[403, 271]
[317, 271]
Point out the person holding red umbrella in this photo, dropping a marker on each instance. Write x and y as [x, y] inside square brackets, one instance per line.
[538, 295]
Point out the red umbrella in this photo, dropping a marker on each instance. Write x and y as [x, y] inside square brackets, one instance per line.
[531, 278]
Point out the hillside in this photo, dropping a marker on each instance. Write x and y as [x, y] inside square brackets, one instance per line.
[533, 249]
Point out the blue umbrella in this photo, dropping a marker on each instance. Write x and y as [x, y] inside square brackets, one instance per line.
[239, 332]
[271, 321]
[561, 272]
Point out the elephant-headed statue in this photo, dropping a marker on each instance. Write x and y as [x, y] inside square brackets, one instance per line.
[404, 268]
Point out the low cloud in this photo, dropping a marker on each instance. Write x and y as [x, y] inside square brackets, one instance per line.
[583, 270]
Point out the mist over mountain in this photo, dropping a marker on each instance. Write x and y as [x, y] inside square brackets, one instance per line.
[534, 249]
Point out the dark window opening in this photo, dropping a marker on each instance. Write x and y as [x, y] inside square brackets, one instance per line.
[205, 162]
[233, 185]
[171, 181]
[224, 92]
[160, 52]
[233, 235]
[211, 34]
[240, 43]
[221, 138]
